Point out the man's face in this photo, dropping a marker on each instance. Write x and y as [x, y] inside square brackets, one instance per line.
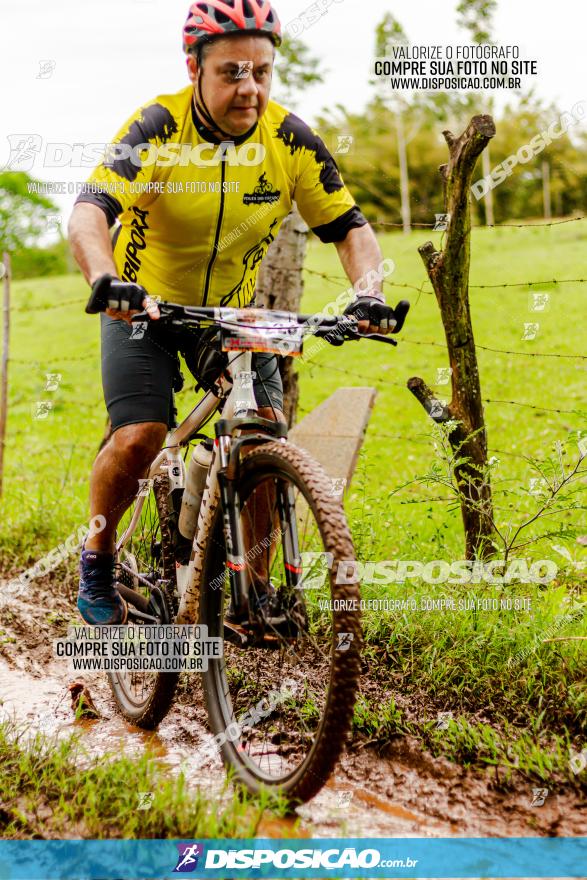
[235, 80]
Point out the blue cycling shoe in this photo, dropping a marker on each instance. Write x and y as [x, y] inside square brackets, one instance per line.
[98, 601]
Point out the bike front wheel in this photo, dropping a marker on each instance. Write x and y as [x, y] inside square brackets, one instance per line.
[281, 707]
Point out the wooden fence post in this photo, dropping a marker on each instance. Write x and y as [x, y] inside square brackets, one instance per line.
[5, 346]
[448, 271]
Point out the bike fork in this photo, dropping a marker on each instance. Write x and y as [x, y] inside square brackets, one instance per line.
[289, 535]
[233, 536]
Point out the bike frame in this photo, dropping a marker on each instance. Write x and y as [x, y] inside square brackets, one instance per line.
[240, 411]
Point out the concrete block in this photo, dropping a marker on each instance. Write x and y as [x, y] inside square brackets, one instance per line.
[333, 432]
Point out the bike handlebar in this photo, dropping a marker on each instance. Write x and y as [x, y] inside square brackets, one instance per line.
[319, 325]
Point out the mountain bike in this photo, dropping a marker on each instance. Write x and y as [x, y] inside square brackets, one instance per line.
[271, 536]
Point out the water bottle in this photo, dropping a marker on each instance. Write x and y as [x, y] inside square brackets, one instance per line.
[194, 489]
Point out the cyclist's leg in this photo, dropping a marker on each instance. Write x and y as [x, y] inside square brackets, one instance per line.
[114, 481]
[137, 376]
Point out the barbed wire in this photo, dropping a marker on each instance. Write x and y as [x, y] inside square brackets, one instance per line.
[543, 354]
[81, 357]
[382, 383]
[339, 279]
[484, 225]
[570, 412]
[336, 279]
[528, 283]
[46, 307]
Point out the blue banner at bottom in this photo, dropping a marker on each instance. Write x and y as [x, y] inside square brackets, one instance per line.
[335, 858]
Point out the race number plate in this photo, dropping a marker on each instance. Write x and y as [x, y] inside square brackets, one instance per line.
[253, 330]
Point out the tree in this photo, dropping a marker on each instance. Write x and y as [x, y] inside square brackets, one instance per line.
[388, 34]
[476, 16]
[296, 70]
[24, 213]
[280, 281]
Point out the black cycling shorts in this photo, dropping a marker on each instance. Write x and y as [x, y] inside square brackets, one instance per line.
[138, 374]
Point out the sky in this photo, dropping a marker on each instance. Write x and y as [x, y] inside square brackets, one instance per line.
[74, 70]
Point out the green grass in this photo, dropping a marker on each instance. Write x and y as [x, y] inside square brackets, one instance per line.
[496, 661]
[50, 787]
[443, 660]
[47, 461]
[398, 446]
[533, 753]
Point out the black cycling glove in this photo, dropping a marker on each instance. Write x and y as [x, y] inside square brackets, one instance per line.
[369, 308]
[110, 293]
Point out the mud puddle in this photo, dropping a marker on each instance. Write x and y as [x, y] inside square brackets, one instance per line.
[404, 792]
[45, 706]
[343, 808]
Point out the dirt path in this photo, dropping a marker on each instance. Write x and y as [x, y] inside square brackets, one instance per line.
[405, 792]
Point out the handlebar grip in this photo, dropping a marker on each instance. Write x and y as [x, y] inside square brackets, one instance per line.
[401, 311]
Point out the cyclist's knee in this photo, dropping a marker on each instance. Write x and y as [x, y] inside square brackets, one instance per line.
[274, 414]
[140, 442]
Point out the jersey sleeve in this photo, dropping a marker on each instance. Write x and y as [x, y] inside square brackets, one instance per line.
[321, 195]
[127, 161]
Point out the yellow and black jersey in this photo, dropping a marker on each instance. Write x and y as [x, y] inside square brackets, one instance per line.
[197, 215]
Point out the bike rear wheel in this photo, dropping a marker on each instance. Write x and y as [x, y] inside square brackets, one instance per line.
[281, 712]
[146, 564]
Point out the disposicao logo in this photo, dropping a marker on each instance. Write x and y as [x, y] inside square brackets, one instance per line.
[189, 854]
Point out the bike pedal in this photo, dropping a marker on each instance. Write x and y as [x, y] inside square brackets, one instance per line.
[235, 635]
[136, 616]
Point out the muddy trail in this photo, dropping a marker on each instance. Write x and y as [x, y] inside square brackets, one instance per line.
[402, 792]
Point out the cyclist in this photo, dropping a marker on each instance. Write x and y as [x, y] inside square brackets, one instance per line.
[200, 182]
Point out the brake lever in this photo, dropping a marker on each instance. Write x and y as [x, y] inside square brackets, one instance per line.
[378, 337]
[139, 317]
[164, 315]
[351, 335]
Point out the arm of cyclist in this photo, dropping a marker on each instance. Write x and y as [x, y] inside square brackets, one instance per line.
[361, 257]
[92, 249]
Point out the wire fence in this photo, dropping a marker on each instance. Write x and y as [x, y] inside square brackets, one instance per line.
[339, 279]
[60, 403]
[485, 225]
[383, 383]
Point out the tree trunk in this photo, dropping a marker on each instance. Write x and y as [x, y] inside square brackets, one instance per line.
[448, 271]
[546, 190]
[488, 197]
[404, 179]
[279, 286]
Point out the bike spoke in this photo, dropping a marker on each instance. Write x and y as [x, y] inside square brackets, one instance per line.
[283, 727]
[142, 554]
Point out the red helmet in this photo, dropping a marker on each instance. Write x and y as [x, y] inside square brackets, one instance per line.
[210, 18]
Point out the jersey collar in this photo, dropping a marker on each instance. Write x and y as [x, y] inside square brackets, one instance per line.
[208, 135]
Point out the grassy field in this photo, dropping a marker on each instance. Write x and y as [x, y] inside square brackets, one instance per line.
[50, 787]
[48, 459]
[492, 669]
